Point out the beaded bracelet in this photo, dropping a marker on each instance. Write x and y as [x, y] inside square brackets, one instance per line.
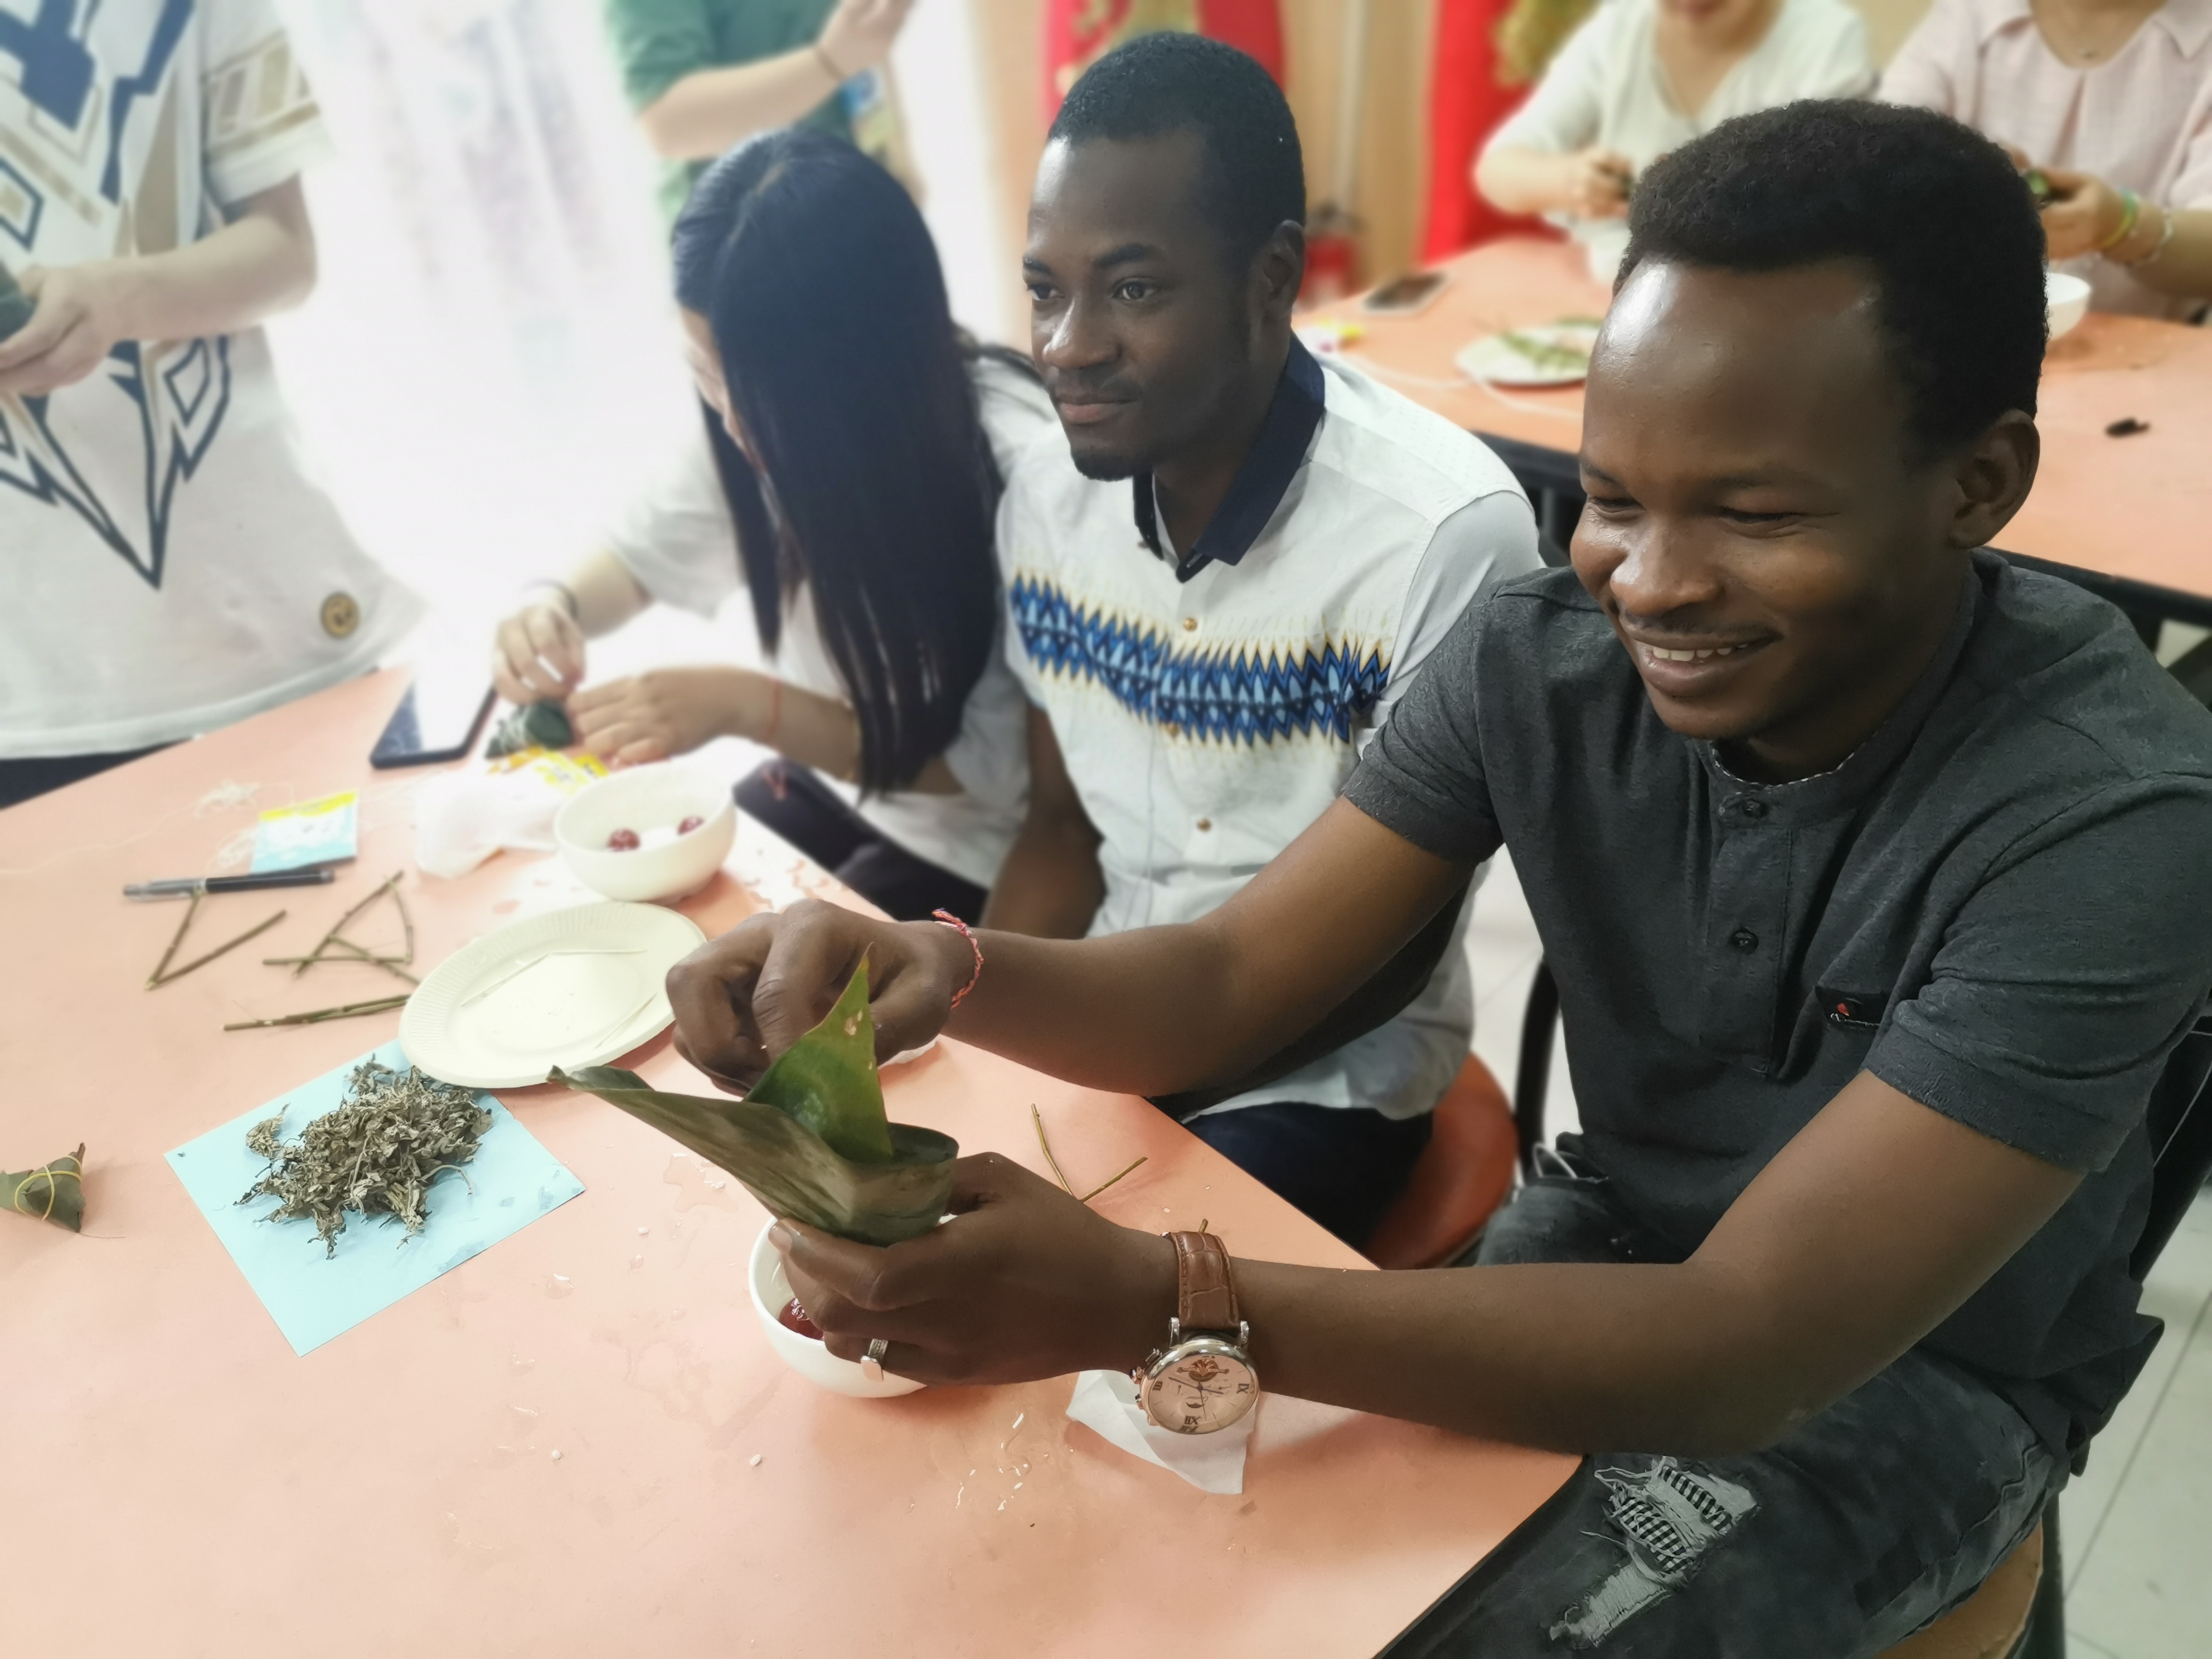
[946, 918]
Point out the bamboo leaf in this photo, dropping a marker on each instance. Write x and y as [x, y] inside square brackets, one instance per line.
[811, 1141]
[53, 1192]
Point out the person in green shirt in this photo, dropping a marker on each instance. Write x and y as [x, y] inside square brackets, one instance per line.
[703, 75]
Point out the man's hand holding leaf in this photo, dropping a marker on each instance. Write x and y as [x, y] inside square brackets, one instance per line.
[1023, 1282]
[745, 998]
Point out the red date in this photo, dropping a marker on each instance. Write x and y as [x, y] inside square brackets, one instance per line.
[690, 825]
[623, 841]
[793, 1317]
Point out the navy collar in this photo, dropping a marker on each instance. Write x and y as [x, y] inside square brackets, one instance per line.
[1293, 416]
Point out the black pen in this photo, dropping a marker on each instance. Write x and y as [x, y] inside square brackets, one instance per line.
[185, 886]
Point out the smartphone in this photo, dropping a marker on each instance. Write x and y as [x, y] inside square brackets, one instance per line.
[440, 719]
[1404, 296]
[16, 305]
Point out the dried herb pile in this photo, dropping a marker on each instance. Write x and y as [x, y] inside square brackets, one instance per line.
[377, 1154]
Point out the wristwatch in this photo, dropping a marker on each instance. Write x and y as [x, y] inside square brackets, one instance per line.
[1203, 1380]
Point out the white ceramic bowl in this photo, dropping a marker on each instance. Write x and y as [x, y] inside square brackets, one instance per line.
[770, 1289]
[643, 798]
[2066, 298]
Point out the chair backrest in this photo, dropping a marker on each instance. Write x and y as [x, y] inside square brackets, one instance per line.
[2179, 1118]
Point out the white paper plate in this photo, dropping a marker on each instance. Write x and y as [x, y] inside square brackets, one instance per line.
[1531, 356]
[569, 988]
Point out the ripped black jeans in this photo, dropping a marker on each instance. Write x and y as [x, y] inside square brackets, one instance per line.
[1884, 1511]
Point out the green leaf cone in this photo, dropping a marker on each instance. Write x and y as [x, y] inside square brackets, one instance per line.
[811, 1141]
[53, 1192]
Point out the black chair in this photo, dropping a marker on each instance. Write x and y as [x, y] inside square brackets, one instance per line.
[2179, 1119]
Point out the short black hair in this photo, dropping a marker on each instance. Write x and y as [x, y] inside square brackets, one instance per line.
[1253, 175]
[1936, 209]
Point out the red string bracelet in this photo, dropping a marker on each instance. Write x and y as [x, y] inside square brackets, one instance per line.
[946, 918]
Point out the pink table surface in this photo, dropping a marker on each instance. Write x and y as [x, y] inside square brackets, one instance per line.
[178, 1483]
[2129, 507]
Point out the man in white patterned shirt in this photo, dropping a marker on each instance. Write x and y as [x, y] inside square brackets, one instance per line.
[1220, 577]
[173, 567]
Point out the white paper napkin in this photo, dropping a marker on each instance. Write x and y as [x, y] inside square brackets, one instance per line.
[1107, 1402]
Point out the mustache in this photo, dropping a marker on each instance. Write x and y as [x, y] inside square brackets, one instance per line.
[1066, 389]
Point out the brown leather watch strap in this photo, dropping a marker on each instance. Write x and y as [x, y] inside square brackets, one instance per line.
[1206, 1294]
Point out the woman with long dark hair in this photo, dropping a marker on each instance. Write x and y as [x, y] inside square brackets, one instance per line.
[854, 443]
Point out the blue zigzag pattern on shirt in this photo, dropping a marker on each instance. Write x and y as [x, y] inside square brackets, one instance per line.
[1233, 698]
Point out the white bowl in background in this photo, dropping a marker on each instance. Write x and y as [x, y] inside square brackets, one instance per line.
[771, 1288]
[643, 798]
[2065, 299]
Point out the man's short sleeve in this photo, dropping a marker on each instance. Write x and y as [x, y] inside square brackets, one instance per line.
[1423, 777]
[657, 43]
[1489, 540]
[2065, 980]
[260, 124]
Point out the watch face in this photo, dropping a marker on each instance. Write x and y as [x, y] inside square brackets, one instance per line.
[1201, 1385]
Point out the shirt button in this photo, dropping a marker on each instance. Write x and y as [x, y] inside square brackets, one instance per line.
[1190, 624]
[1205, 823]
[1744, 939]
[1752, 807]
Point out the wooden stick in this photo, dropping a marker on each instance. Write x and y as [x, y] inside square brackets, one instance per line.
[316, 1016]
[393, 965]
[202, 962]
[1049, 1157]
[314, 956]
[1105, 1184]
[406, 921]
[162, 967]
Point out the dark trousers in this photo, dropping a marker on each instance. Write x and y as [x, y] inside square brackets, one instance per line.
[1343, 1165]
[24, 779]
[799, 806]
[1840, 1541]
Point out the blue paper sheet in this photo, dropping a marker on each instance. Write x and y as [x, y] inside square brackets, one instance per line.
[314, 1299]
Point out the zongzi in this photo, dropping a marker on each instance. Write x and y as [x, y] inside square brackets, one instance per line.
[811, 1141]
[53, 1192]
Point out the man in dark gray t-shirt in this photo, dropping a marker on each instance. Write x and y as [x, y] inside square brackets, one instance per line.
[1876, 876]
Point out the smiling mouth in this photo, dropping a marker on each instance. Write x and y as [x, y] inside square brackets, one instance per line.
[1696, 654]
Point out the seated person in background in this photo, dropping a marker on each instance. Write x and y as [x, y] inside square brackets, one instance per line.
[704, 75]
[1643, 77]
[1222, 580]
[853, 447]
[2112, 103]
[171, 565]
[1873, 872]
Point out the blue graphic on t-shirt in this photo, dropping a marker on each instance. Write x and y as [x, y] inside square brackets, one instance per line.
[1234, 697]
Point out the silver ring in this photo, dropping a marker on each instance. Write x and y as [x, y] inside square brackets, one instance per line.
[871, 1363]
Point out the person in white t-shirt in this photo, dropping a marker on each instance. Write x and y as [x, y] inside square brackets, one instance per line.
[848, 475]
[1221, 579]
[1642, 77]
[171, 567]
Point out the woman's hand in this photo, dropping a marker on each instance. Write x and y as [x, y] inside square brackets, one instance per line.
[537, 653]
[78, 320]
[860, 33]
[1023, 1282]
[2083, 215]
[1594, 183]
[742, 999]
[663, 711]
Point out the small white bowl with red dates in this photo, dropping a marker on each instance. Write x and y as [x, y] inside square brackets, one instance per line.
[647, 832]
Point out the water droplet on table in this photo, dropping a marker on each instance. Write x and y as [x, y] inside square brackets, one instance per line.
[559, 1285]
